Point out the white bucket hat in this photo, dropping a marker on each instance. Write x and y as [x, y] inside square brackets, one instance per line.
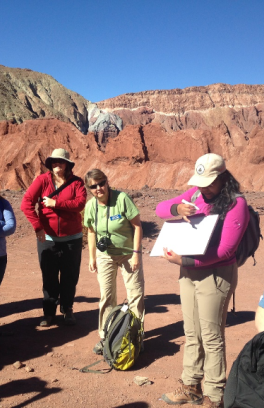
[61, 154]
[207, 169]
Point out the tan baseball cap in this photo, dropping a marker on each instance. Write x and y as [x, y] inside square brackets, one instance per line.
[61, 154]
[207, 168]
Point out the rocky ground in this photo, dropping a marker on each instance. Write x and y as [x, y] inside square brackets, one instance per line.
[51, 357]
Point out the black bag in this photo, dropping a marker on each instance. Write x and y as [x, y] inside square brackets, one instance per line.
[245, 384]
[123, 333]
[250, 240]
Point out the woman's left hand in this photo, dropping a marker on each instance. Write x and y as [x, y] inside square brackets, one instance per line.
[135, 261]
[172, 257]
[49, 202]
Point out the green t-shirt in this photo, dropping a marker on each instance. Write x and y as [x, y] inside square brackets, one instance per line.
[120, 230]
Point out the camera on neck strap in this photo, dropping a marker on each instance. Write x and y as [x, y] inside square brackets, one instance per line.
[103, 243]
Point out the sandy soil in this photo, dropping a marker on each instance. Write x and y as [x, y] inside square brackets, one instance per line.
[55, 354]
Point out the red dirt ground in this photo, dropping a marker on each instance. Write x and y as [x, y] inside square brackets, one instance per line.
[55, 354]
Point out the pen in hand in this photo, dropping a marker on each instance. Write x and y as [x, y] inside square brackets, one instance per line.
[187, 202]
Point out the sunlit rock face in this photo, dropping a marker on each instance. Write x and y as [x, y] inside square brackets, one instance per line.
[138, 156]
[149, 138]
[26, 94]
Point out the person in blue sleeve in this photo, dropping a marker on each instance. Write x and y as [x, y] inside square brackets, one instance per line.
[7, 227]
[259, 318]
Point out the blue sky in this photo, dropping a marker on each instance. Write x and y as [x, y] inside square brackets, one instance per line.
[104, 48]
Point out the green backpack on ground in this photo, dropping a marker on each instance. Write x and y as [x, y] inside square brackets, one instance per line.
[123, 338]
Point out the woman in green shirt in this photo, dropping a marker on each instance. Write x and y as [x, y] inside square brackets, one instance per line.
[114, 239]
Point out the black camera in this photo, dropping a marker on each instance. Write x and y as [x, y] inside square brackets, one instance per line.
[103, 243]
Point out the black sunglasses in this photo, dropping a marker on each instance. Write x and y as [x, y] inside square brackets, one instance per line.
[94, 186]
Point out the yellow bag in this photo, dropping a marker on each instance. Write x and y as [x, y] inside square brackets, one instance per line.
[123, 338]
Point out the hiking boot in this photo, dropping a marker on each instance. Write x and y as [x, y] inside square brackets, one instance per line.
[207, 403]
[185, 394]
[69, 318]
[46, 321]
[99, 347]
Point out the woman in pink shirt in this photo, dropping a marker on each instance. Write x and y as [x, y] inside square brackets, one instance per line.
[207, 281]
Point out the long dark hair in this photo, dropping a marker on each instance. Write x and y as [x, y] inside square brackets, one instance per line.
[67, 172]
[228, 195]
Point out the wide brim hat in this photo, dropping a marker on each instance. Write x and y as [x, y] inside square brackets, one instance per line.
[207, 169]
[61, 154]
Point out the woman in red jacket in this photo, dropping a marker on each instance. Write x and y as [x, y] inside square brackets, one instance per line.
[58, 227]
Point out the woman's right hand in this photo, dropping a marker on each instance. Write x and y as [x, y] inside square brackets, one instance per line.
[186, 210]
[41, 235]
[92, 266]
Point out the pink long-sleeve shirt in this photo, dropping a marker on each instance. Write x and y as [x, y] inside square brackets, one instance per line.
[234, 226]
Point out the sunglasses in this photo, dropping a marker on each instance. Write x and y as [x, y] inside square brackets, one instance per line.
[94, 186]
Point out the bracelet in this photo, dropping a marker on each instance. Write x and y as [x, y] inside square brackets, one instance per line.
[137, 252]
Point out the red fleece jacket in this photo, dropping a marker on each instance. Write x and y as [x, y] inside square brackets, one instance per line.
[62, 220]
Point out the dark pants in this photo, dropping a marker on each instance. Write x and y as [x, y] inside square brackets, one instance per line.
[3, 262]
[63, 258]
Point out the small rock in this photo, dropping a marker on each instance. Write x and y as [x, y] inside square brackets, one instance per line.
[29, 369]
[54, 380]
[142, 380]
[18, 365]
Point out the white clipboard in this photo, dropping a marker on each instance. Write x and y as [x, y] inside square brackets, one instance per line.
[186, 238]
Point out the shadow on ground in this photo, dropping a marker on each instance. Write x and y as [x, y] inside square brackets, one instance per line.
[233, 319]
[150, 229]
[23, 339]
[22, 306]
[30, 385]
[160, 341]
[157, 303]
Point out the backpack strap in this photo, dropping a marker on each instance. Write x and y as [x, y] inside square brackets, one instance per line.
[233, 310]
[86, 369]
[195, 195]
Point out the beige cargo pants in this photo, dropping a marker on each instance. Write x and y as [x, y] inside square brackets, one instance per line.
[107, 267]
[205, 295]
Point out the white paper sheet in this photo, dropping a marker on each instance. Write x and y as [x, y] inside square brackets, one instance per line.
[184, 238]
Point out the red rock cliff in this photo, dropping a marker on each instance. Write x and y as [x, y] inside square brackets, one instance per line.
[139, 155]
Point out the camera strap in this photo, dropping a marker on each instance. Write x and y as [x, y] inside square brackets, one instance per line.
[107, 216]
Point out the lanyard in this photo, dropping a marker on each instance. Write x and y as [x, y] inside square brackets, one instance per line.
[107, 216]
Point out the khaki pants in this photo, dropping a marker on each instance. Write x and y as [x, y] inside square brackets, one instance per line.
[205, 295]
[107, 266]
